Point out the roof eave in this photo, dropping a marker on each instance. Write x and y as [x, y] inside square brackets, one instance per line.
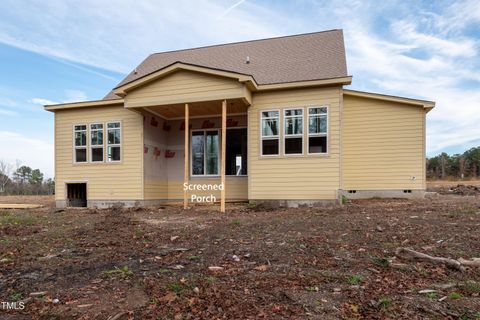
[83, 104]
[427, 105]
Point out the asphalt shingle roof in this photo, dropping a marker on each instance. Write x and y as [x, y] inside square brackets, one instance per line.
[312, 56]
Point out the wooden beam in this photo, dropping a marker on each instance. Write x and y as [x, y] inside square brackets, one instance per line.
[224, 143]
[185, 176]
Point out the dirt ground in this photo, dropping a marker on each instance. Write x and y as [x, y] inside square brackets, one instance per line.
[251, 263]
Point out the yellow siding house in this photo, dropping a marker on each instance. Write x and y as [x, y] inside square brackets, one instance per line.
[266, 121]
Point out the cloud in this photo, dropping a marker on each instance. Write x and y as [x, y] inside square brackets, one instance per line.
[32, 152]
[42, 101]
[414, 56]
[70, 96]
[231, 8]
[117, 35]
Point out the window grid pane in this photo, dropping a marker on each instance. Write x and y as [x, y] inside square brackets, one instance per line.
[317, 124]
[293, 125]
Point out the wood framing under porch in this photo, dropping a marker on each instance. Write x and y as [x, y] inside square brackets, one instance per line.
[212, 151]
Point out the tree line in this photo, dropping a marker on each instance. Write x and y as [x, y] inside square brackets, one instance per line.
[457, 166]
[23, 180]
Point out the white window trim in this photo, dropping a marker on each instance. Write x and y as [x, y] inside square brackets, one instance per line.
[204, 157]
[114, 144]
[326, 134]
[98, 146]
[301, 135]
[75, 147]
[277, 137]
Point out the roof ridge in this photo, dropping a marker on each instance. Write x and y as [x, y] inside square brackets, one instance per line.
[246, 41]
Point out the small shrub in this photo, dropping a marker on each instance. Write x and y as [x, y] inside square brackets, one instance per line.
[236, 222]
[251, 205]
[354, 279]
[454, 296]
[344, 200]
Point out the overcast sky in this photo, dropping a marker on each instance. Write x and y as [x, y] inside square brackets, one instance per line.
[63, 51]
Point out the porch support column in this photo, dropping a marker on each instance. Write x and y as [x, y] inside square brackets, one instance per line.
[224, 140]
[185, 177]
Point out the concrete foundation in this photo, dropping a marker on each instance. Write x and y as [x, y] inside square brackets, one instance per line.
[358, 194]
[102, 204]
[295, 203]
[367, 194]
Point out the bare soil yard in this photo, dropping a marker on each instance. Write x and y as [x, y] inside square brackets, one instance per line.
[252, 263]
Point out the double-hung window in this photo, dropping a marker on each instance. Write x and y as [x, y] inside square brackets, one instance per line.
[80, 141]
[293, 131]
[96, 142]
[205, 157]
[270, 132]
[317, 130]
[114, 136]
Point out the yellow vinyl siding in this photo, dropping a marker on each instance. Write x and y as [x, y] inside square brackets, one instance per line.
[383, 145]
[294, 177]
[105, 181]
[185, 86]
[155, 189]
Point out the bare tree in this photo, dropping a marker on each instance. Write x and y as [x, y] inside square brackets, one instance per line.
[5, 171]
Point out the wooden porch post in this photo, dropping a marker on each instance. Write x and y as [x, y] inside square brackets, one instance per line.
[224, 139]
[185, 177]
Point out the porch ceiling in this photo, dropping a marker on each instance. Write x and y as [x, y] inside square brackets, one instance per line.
[198, 109]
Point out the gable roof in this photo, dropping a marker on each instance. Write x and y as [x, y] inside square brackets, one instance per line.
[305, 57]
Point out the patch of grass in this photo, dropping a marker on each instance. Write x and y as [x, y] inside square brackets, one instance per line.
[251, 205]
[211, 279]
[18, 219]
[236, 222]
[380, 262]
[175, 287]
[354, 279]
[153, 301]
[124, 272]
[139, 233]
[432, 295]
[313, 289]
[385, 302]
[5, 241]
[468, 210]
[15, 296]
[472, 287]
[163, 270]
[193, 258]
[454, 295]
